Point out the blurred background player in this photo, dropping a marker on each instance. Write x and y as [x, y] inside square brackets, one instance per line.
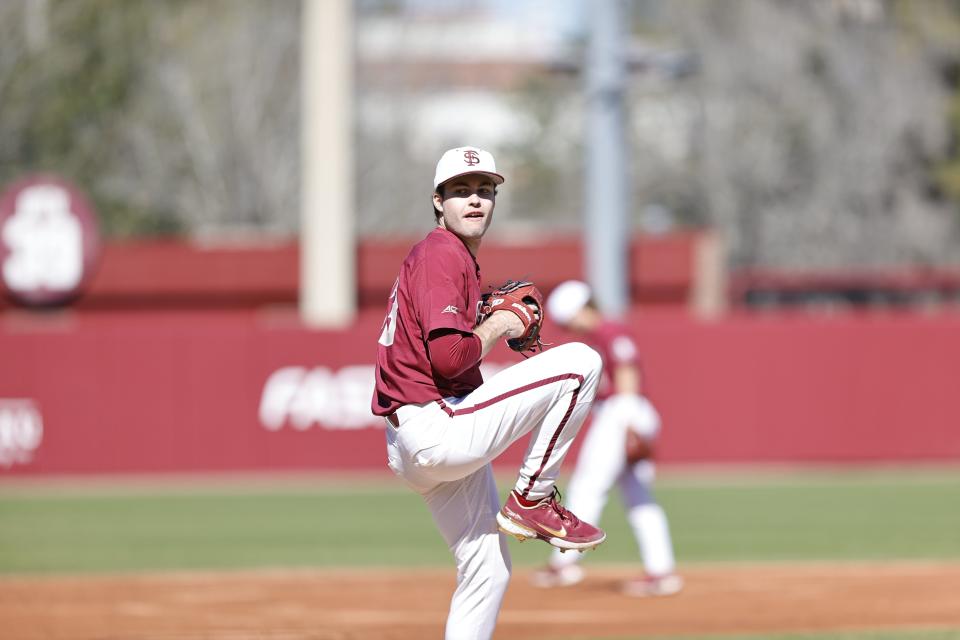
[618, 448]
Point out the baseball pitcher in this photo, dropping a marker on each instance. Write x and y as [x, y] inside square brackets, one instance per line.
[445, 424]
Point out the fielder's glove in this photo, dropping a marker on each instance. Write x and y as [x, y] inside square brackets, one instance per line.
[637, 448]
[526, 302]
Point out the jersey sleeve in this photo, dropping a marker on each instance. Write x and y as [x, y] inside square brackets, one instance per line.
[443, 297]
[452, 352]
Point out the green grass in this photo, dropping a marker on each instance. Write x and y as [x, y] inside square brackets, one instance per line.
[209, 530]
[763, 517]
[845, 517]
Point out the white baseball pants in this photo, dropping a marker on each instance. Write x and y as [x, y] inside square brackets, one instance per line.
[443, 451]
[602, 463]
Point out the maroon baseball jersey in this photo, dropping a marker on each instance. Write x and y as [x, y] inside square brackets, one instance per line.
[438, 288]
[615, 346]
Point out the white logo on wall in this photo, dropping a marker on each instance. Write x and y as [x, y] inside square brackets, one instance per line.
[48, 241]
[45, 241]
[303, 397]
[21, 431]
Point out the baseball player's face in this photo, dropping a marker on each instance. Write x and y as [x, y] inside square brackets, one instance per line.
[467, 206]
[583, 321]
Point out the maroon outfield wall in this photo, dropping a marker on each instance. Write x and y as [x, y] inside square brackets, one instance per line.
[242, 390]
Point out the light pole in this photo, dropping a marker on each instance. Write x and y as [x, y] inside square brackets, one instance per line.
[607, 232]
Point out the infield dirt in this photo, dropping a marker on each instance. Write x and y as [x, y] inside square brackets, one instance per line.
[406, 604]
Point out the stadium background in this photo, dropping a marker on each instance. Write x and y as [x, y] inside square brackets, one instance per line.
[176, 418]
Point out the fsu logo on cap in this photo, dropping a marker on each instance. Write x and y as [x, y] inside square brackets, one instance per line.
[471, 157]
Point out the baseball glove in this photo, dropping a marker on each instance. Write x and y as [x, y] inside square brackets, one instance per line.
[526, 302]
[637, 447]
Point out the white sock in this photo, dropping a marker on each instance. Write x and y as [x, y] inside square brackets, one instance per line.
[652, 532]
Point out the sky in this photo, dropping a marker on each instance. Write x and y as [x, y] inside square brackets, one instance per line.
[564, 16]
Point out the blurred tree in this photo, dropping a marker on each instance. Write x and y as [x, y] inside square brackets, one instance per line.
[174, 116]
[546, 183]
[937, 25]
[212, 134]
[813, 134]
[68, 71]
[819, 129]
[948, 171]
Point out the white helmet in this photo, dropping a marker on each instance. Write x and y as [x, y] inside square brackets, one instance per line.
[567, 300]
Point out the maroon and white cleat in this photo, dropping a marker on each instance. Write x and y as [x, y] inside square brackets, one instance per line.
[552, 576]
[549, 521]
[653, 586]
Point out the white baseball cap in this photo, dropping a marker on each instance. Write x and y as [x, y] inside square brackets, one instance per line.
[463, 160]
[567, 300]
